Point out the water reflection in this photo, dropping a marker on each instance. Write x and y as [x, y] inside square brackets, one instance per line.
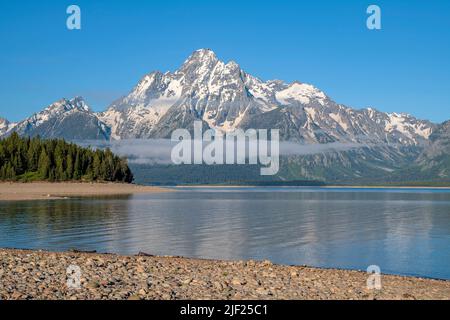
[402, 231]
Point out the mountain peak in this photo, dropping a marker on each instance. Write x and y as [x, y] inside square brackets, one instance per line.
[301, 92]
[70, 119]
[67, 105]
[204, 53]
[79, 103]
[4, 124]
[199, 58]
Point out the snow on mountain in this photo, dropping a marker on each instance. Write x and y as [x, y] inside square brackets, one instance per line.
[225, 97]
[68, 119]
[303, 93]
[218, 93]
[3, 123]
[5, 126]
[408, 125]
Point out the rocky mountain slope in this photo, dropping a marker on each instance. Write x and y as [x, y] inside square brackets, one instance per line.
[225, 97]
[435, 160]
[68, 119]
[5, 126]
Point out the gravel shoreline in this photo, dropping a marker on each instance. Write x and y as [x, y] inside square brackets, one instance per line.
[26, 274]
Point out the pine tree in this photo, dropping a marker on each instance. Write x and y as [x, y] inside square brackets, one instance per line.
[59, 162]
[96, 166]
[69, 166]
[77, 167]
[33, 155]
[44, 165]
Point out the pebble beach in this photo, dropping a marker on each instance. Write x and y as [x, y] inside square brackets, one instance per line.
[39, 275]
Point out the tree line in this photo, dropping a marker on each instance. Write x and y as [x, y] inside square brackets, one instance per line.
[36, 159]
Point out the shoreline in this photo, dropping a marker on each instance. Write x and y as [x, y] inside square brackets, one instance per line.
[28, 191]
[388, 187]
[29, 274]
[18, 191]
[318, 187]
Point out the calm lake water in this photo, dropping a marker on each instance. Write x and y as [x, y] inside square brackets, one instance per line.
[403, 231]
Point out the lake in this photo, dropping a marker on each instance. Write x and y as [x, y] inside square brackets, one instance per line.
[403, 231]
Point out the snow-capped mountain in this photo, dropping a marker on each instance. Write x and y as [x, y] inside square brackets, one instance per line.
[225, 97]
[5, 126]
[68, 119]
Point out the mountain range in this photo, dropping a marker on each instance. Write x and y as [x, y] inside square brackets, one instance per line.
[225, 97]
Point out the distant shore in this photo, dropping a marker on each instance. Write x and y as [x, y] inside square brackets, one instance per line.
[27, 274]
[390, 187]
[16, 191]
[319, 187]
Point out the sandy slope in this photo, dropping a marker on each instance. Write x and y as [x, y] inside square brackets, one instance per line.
[45, 190]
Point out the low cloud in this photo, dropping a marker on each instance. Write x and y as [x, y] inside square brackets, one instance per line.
[158, 151]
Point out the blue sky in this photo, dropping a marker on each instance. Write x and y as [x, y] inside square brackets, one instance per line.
[405, 67]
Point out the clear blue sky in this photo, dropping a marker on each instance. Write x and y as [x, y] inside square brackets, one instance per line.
[405, 67]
